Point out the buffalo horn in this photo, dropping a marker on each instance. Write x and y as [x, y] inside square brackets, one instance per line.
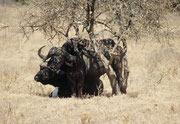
[40, 55]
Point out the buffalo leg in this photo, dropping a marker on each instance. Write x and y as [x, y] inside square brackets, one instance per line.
[72, 83]
[80, 83]
[80, 88]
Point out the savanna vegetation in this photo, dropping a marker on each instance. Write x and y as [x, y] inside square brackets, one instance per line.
[151, 31]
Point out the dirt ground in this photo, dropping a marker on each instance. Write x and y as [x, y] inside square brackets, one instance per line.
[153, 87]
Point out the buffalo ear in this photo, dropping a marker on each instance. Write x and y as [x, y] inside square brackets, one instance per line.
[43, 64]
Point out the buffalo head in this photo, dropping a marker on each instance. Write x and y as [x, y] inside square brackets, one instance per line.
[48, 70]
[53, 68]
[45, 75]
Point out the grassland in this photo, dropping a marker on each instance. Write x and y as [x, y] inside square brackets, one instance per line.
[153, 91]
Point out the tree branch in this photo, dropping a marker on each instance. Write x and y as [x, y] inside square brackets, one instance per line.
[91, 21]
[67, 32]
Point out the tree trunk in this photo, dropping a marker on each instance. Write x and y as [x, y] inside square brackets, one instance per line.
[107, 64]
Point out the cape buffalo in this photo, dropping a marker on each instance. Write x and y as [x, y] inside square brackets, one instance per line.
[66, 56]
[93, 64]
[92, 86]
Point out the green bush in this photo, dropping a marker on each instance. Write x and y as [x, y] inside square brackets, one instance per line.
[21, 1]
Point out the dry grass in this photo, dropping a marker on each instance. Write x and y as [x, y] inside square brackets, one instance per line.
[153, 92]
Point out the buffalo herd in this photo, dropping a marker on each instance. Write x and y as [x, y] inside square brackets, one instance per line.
[75, 68]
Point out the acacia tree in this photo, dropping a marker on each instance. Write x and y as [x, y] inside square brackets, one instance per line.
[120, 19]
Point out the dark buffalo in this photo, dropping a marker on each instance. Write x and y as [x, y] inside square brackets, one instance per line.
[75, 72]
[72, 66]
[92, 86]
[94, 65]
[63, 58]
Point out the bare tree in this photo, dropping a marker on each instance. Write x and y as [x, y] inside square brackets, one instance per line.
[118, 18]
